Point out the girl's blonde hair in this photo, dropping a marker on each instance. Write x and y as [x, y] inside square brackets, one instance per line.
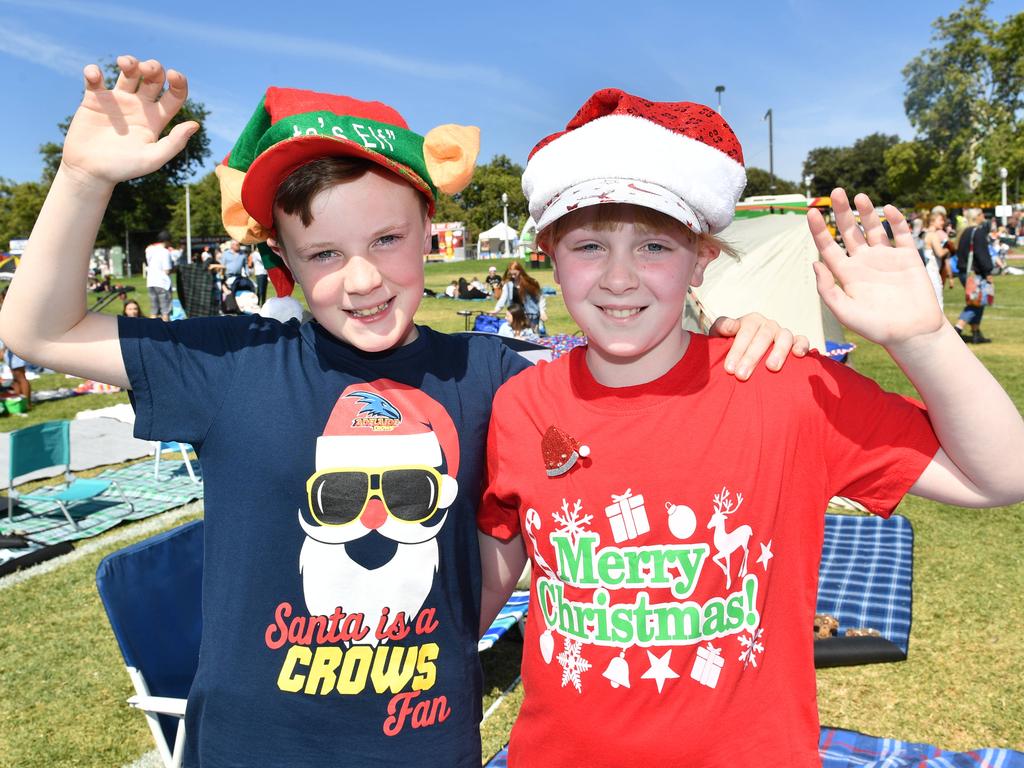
[610, 216]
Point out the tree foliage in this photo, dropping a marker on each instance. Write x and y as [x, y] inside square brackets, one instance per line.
[857, 168]
[965, 98]
[143, 204]
[760, 182]
[479, 204]
[19, 207]
[204, 208]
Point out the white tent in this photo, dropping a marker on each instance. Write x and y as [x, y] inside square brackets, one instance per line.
[772, 275]
[495, 240]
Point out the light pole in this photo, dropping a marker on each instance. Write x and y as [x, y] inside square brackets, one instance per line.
[719, 89]
[807, 184]
[771, 157]
[1002, 175]
[188, 216]
[504, 218]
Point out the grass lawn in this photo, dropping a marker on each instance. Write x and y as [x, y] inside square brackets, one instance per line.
[64, 685]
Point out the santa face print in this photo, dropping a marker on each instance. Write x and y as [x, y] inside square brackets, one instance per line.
[626, 287]
[360, 260]
[376, 503]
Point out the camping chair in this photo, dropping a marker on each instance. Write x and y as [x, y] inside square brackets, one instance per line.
[174, 446]
[152, 592]
[49, 445]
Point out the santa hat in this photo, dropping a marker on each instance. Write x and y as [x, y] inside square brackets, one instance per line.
[679, 158]
[292, 127]
[383, 423]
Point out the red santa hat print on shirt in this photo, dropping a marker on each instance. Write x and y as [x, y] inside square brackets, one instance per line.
[386, 423]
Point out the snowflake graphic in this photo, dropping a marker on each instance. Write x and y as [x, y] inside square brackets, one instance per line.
[573, 664]
[572, 522]
[751, 647]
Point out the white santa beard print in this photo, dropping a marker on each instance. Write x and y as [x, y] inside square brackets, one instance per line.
[331, 578]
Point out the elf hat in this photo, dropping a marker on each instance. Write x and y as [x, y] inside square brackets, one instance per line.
[679, 158]
[292, 127]
[384, 423]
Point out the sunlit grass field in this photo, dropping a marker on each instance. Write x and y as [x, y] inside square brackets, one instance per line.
[63, 684]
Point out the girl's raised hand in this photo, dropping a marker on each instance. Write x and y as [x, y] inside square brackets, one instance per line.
[115, 133]
[879, 290]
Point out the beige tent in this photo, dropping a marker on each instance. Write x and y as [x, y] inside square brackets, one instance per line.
[772, 275]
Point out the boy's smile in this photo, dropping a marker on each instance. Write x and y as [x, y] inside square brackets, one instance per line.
[360, 260]
[625, 284]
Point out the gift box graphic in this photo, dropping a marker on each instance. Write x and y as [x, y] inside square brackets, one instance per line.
[707, 666]
[627, 516]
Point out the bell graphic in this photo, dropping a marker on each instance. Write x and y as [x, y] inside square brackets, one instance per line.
[618, 671]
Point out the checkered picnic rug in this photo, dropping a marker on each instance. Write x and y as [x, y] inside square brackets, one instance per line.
[149, 495]
[849, 749]
[866, 574]
[513, 611]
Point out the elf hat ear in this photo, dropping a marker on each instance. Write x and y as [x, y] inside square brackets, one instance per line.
[450, 154]
[237, 221]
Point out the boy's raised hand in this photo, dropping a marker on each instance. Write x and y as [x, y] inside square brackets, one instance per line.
[115, 133]
[883, 292]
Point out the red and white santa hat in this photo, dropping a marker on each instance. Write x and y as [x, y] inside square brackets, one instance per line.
[679, 158]
[384, 423]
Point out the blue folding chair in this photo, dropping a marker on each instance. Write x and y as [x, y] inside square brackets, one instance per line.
[152, 592]
[174, 445]
[44, 446]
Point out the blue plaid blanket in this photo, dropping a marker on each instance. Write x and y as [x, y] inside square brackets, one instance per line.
[513, 612]
[849, 749]
[866, 575]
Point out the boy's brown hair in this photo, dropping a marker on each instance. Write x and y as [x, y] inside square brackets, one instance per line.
[296, 193]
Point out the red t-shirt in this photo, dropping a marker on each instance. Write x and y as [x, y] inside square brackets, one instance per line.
[675, 568]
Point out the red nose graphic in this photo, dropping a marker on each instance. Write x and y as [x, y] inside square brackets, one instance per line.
[375, 515]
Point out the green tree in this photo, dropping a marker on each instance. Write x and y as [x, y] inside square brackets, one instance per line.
[857, 168]
[204, 207]
[19, 208]
[481, 200]
[907, 168]
[760, 182]
[965, 98]
[143, 204]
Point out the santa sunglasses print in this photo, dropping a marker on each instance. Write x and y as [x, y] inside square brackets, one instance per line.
[340, 496]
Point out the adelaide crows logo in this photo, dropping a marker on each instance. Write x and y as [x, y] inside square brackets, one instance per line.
[377, 413]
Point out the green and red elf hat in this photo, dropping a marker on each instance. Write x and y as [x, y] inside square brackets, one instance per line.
[292, 127]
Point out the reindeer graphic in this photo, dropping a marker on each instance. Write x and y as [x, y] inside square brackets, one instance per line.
[726, 542]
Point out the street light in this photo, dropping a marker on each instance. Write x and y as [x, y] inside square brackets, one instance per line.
[719, 89]
[771, 157]
[1002, 175]
[504, 217]
[807, 184]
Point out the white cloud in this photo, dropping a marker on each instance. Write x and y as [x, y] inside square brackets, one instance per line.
[41, 50]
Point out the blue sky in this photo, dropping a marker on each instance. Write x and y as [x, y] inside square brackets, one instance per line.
[830, 72]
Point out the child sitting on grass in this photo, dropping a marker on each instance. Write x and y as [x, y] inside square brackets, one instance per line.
[674, 518]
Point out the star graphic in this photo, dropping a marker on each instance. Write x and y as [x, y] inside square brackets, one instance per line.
[766, 554]
[659, 671]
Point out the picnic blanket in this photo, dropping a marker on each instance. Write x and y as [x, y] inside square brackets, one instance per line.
[849, 749]
[513, 612]
[94, 443]
[150, 497]
[865, 581]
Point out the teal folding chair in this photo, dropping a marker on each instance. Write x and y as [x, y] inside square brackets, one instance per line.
[44, 446]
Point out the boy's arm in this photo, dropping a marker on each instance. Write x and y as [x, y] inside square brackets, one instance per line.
[502, 563]
[885, 295]
[114, 136]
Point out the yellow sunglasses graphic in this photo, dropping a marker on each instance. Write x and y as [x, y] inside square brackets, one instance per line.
[410, 494]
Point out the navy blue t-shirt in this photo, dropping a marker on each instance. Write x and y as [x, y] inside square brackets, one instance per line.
[341, 585]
